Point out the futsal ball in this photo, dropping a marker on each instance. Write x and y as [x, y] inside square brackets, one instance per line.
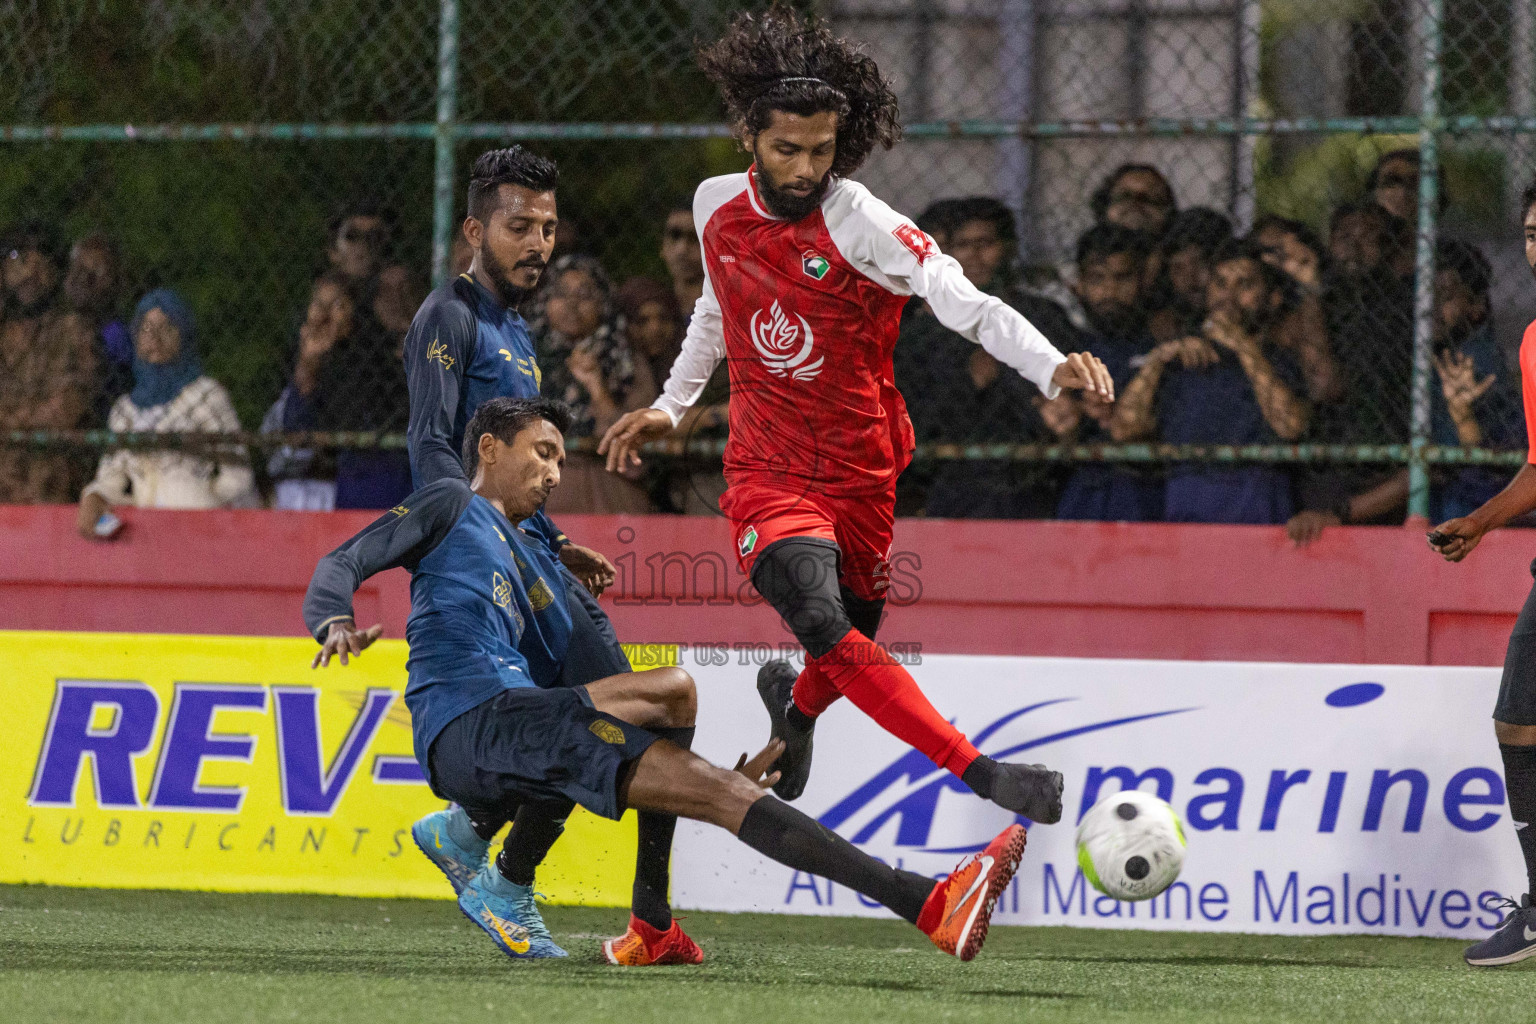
[1131, 845]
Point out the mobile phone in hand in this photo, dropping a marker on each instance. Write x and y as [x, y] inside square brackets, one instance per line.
[1437, 540]
[107, 526]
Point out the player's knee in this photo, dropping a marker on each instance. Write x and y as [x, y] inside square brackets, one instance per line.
[675, 690]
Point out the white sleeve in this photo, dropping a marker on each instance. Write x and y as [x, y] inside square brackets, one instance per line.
[112, 477]
[892, 251]
[703, 348]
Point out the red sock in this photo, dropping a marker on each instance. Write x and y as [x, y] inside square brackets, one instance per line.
[864, 673]
[814, 692]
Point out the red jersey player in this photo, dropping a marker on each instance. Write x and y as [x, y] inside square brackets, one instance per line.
[806, 275]
[1514, 713]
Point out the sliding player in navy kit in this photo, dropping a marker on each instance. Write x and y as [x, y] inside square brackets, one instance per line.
[493, 726]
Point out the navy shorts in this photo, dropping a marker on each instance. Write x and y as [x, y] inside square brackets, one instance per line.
[1517, 690]
[535, 744]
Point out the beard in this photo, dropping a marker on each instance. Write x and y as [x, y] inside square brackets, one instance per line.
[1114, 320]
[787, 205]
[510, 294]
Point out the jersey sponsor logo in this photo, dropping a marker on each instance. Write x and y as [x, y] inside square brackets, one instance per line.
[920, 245]
[539, 595]
[748, 541]
[607, 732]
[437, 352]
[778, 341]
[399, 510]
[814, 264]
[727, 258]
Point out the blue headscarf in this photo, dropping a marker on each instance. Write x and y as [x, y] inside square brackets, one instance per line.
[158, 383]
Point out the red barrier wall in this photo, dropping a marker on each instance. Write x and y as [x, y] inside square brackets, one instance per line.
[1369, 595]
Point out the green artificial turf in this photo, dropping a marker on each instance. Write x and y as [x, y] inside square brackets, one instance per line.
[83, 955]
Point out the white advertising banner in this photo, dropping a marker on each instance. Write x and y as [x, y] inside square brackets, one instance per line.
[1315, 798]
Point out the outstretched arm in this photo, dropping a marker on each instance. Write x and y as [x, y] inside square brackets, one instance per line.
[400, 537]
[703, 348]
[893, 252]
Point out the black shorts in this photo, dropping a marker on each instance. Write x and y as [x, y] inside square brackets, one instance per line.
[1517, 690]
[535, 744]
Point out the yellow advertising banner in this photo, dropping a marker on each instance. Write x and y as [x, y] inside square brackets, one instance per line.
[227, 763]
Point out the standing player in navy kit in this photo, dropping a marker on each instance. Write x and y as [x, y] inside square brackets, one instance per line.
[468, 344]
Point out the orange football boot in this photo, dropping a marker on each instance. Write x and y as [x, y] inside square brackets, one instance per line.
[644, 946]
[959, 909]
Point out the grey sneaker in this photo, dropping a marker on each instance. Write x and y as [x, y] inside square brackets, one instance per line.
[1514, 941]
[776, 686]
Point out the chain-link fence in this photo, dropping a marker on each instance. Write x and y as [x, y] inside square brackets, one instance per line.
[292, 172]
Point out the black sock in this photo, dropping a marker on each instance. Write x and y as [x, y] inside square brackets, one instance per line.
[777, 830]
[487, 823]
[534, 831]
[1520, 784]
[980, 775]
[653, 855]
[798, 719]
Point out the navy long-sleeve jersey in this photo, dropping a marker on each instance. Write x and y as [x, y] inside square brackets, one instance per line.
[464, 347]
[488, 608]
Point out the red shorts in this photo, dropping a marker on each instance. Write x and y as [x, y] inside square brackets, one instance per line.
[861, 527]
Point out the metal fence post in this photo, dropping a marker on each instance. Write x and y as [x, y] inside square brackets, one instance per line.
[1015, 66]
[1424, 258]
[447, 114]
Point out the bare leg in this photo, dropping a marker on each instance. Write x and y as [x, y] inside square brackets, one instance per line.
[677, 781]
[671, 780]
[1515, 735]
[658, 697]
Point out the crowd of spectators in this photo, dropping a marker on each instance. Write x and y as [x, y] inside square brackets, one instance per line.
[1276, 337]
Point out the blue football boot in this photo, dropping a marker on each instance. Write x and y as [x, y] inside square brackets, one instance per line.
[507, 913]
[449, 841]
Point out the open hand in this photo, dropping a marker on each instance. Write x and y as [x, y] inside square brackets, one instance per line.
[760, 763]
[621, 444]
[343, 639]
[1085, 372]
[1458, 380]
[591, 567]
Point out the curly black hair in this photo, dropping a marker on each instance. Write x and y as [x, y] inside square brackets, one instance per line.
[777, 61]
